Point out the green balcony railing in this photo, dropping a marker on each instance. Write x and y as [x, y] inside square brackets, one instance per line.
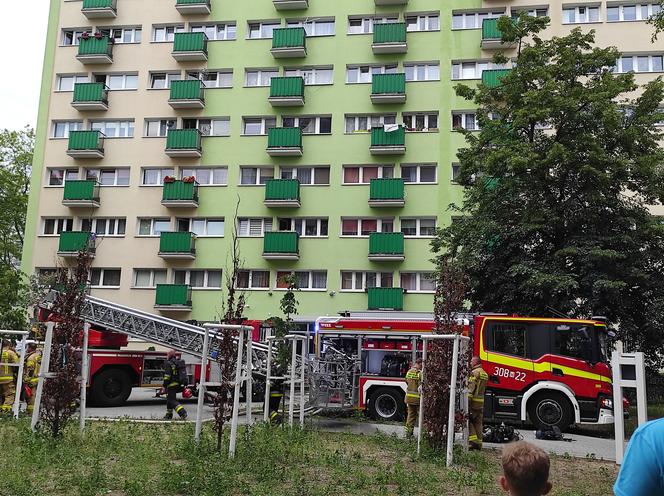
[173, 295]
[193, 2]
[490, 30]
[289, 38]
[493, 77]
[76, 241]
[385, 298]
[284, 137]
[95, 46]
[391, 32]
[99, 4]
[286, 87]
[180, 191]
[282, 189]
[386, 189]
[86, 140]
[90, 93]
[190, 42]
[390, 243]
[175, 242]
[191, 89]
[81, 190]
[286, 242]
[382, 84]
[379, 137]
[183, 139]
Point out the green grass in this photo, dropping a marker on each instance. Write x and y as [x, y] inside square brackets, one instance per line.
[145, 459]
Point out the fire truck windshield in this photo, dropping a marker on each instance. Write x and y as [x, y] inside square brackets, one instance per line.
[604, 343]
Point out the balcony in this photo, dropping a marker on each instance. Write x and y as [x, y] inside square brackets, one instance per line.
[492, 36]
[388, 88]
[386, 193]
[193, 7]
[73, 242]
[389, 38]
[183, 143]
[187, 94]
[99, 9]
[281, 245]
[86, 144]
[282, 193]
[291, 4]
[284, 142]
[381, 3]
[286, 92]
[388, 142]
[173, 298]
[81, 194]
[95, 50]
[386, 247]
[289, 43]
[492, 78]
[180, 194]
[190, 47]
[385, 298]
[179, 245]
[90, 96]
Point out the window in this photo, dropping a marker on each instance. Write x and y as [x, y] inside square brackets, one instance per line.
[221, 31]
[105, 227]
[213, 79]
[253, 126]
[473, 20]
[198, 279]
[315, 27]
[162, 34]
[312, 75]
[532, 12]
[202, 227]
[158, 128]
[420, 227]
[57, 177]
[363, 73]
[360, 281]
[253, 279]
[574, 341]
[258, 30]
[456, 169]
[208, 176]
[118, 81]
[423, 22]
[365, 24]
[581, 15]
[155, 176]
[509, 339]
[105, 278]
[364, 227]
[310, 124]
[123, 35]
[314, 279]
[53, 227]
[633, 12]
[61, 128]
[220, 126]
[421, 282]
[153, 227]
[465, 120]
[473, 69]
[253, 176]
[259, 77]
[309, 228]
[66, 83]
[639, 63]
[254, 227]
[72, 37]
[363, 174]
[425, 174]
[422, 72]
[364, 123]
[162, 80]
[421, 122]
[109, 177]
[306, 175]
[114, 129]
[149, 278]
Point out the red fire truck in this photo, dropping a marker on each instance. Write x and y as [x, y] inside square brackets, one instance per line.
[548, 371]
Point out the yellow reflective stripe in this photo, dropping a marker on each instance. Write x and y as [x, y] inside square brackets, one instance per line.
[412, 395]
[472, 438]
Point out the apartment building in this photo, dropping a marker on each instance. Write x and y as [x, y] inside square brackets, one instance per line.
[323, 132]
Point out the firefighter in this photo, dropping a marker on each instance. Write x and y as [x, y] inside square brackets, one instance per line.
[476, 386]
[413, 386]
[7, 379]
[31, 374]
[173, 383]
[276, 395]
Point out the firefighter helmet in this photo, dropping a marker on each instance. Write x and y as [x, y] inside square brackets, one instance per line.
[186, 394]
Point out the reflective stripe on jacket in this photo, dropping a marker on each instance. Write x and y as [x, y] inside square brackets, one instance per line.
[476, 387]
[171, 374]
[32, 367]
[413, 380]
[7, 372]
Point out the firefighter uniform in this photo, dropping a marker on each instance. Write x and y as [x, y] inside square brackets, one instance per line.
[276, 396]
[476, 386]
[31, 377]
[7, 381]
[172, 386]
[413, 381]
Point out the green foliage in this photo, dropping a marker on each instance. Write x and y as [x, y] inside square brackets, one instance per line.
[557, 187]
[284, 326]
[658, 21]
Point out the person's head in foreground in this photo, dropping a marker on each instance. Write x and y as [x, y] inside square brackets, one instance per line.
[525, 470]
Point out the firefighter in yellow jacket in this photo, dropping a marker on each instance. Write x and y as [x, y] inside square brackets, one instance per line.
[7, 380]
[476, 387]
[413, 383]
[31, 374]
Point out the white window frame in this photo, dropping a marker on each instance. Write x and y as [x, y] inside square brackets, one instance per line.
[454, 171]
[431, 71]
[312, 75]
[95, 174]
[292, 173]
[465, 118]
[271, 24]
[150, 125]
[102, 273]
[162, 172]
[68, 127]
[365, 72]
[60, 224]
[364, 122]
[153, 220]
[469, 70]
[76, 35]
[169, 32]
[126, 126]
[153, 283]
[473, 19]
[361, 277]
[223, 170]
[310, 279]
[259, 171]
[581, 14]
[223, 78]
[250, 279]
[205, 221]
[619, 69]
[367, 22]
[124, 86]
[135, 34]
[299, 225]
[531, 11]
[210, 127]
[315, 118]
[652, 9]
[382, 169]
[379, 226]
[419, 277]
[263, 76]
[75, 78]
[168, 78]
[216, 31]
[413, 117]
[418, 226]
[206, 279]
[419, 173]
[252, 222]
[66, 172]
[116, 229]
[423, 22]
[263, 121]
[313, 26]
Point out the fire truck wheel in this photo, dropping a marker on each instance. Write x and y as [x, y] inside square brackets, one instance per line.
[111, 387]
[386, 404]
[550, 409]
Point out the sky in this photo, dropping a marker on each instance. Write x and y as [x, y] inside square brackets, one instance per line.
[22, 42]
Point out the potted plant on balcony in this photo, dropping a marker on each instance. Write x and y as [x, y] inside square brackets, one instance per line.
[85, 35]
[169, 179]
[189, 179]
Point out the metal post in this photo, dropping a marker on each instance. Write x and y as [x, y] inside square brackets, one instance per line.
[641, 402]
[19, 381]
[619, 422]
[452, 406]
[43, 372]
[85, 365]
[248, 389]
[291, 399]
[202, 385]
[302, 367]
[236, 396]
[268, 380]
[420, 416]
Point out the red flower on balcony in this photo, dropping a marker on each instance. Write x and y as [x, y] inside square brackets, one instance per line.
[188, 179]
[169, 179]
[85, 35]
[98, 35]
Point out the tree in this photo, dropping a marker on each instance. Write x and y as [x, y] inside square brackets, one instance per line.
[557, 187]
[657, 20]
